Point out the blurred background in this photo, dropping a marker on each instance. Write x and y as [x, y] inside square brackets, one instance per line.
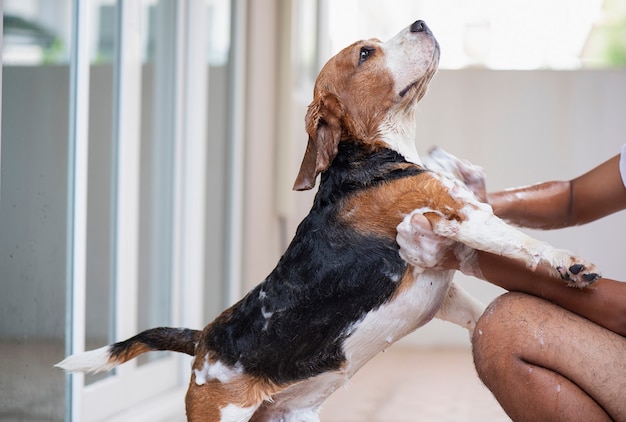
[148, 149]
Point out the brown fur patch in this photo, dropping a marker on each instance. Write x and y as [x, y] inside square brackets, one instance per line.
[132, 351]
[364, 91]
[379, 210]
[205, 402]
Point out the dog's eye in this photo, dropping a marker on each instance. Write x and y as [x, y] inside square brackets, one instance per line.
[365, 53]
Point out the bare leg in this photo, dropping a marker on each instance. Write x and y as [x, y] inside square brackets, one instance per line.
[544, 363]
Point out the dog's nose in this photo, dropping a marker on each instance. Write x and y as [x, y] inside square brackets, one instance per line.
[419, 26]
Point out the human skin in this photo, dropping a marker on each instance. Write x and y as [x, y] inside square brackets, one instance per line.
[544, 363]
[551, 205]
[547, 351]
[541, 361]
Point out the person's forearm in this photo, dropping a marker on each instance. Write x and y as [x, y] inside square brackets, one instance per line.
[552, 205]
[602, 303]
[542, 206]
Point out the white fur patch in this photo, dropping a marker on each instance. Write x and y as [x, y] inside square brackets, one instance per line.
[232, 413]
[408, 58]
[301, 401]
[217, 370]
[460, 308]
[302, 415]
[398, 132]
[414, 307]
[91, 361]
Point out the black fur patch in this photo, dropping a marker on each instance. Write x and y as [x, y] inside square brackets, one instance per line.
[292, 325]
[181, 340]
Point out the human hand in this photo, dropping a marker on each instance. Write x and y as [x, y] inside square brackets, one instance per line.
[419, 245]
[473, 176]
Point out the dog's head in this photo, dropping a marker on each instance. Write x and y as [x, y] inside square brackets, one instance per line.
[368, 92]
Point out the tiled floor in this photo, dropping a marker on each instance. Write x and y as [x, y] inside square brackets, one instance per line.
[414, 384]
[31, 389]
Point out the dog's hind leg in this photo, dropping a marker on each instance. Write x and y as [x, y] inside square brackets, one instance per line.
[301, 402]
[219, 392]
[217, 401]
[460, 308]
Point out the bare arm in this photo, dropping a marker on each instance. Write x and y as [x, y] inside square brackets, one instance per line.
[549, 205]
[604, 302]
[552, 205]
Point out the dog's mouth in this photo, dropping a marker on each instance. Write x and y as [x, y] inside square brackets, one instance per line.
[408, 88]
[421, 83]
[418, 88]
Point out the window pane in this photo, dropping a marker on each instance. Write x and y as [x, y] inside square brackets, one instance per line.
[33, 209]
[156, 206]
[220, 70]
[99, 303]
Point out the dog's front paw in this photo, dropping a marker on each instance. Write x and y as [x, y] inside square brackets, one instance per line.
[577, 272]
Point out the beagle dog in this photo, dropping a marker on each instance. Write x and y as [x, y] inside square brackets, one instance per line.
[342, 292]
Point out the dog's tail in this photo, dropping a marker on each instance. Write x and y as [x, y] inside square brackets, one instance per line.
[181, 340]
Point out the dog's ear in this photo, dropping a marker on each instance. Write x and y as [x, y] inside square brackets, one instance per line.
[323, 124]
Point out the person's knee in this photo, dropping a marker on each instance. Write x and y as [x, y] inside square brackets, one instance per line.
[498, 334]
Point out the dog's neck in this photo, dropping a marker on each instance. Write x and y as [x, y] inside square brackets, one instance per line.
[399, 134]
[358, 165]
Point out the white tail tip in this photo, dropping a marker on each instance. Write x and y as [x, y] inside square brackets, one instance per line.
[92, 361]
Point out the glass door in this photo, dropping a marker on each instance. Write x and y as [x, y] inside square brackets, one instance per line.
[33, 207]
[106, 166]
[105, 196]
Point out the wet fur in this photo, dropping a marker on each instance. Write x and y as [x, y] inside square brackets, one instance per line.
[341, 293]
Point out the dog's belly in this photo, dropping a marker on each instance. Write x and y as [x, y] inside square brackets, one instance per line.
[409, 310]
[406, 312]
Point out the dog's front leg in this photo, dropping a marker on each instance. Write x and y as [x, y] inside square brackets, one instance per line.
[481, 229]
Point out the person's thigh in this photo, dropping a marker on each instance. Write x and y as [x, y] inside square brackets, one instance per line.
[543, 362]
